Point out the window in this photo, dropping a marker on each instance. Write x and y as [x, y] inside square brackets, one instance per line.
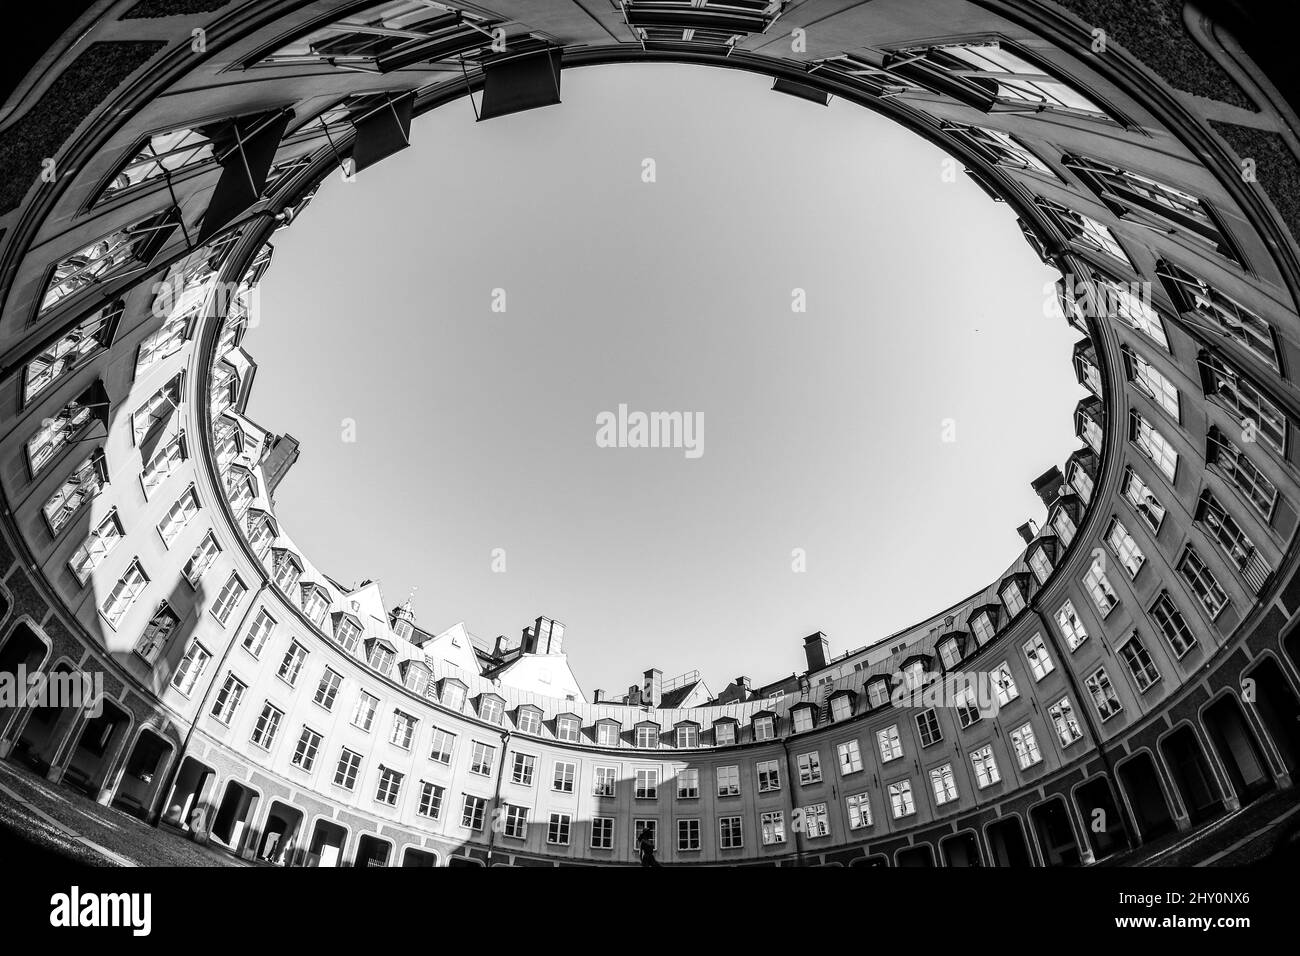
[558, 829]
[1253, 485]
[70, 351]
[1125, 548]
[724, 733]
[850, 757]
[602, 833]
[769, 776]
[345, 774]
[810, 768]
[431, 796]
[1233, 541]
[950, 653]
[1154, 445]
[1025, 744]
[647, 736]
[291, 665]
[986, 767]
[927, 727]
[390, 785]
[607, 734]
[158, 157]
[54, 434]
[1253, 409]
[1103, 694]
[185, 508]
[1067, 727]
[900, 799]
[1143, 501]
[124, 593]
[639, 827]
[1152, 383]
[99, 544]
[878, 693]
[772, 823]
[1130, 303]
[156, 410]
[327, 691]
[453, 695]
[647, 783]
[229, 597]
[81, 486]
[268, 725]
[304, 755]
[516, 822]
[1139, 663]
[257, 635]
[441, 748]
[945, 786]
[170, 337]
[562, 778]
[994, 69]
[982, 627]
[201, 559]
[1063, 525]
[730, 836]
[1202, 582]
[1004, 684]
[1072, 629]
[1099, 587]
[522, 771]
[314, 604]
[567, 728]
[816, 820]
[891, 747]
[191, 668]
[604, 781]
[841, 707]
[1040, 564]
[491, 709]
[803, 719]
[228, 698]
[287, 571]
[481, 759]
[764, 728]
[363, 715]
[1078, 479]
[1014, 600]
[472, 811]
[347, 633]
[688, 784]
[688, 834]
[1172, 625]
[1237, 322]
[1002, 149]
[403, 731]
[163, 465]
[381, 657]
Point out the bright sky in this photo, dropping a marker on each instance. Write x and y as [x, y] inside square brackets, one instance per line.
[476, 430]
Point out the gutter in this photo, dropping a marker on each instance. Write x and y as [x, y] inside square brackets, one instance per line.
[496, 796]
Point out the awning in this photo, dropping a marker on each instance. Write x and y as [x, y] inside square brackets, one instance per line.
[245, 148]
[802, 91]
[382, 130]
[520, 83]
[149, 237]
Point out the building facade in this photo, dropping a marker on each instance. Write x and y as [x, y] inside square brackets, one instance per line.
[1140, 651]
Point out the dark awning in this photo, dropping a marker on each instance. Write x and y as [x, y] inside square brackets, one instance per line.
[245, 148]
[382, 130]
[95, 398]
[149, 237]
[520, 83]
[978, 92]
[804, 92]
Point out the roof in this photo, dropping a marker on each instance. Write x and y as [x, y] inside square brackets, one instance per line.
[677, 695]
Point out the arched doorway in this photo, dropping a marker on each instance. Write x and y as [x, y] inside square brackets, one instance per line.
[142, 776]
[1007, 845]
[372, 851]
[1140, 782]
[49, 722]
[96, 750]
[921, 855]
[1185, 760]
[280, 834]
[233, 814]
[1238, 751]
[962, 849]
[415, 857]
[1101, 818]
[21, 655]
[1056, 841]
[1278, 709]
[327, 842]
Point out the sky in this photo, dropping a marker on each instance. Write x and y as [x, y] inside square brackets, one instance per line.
[823, 495]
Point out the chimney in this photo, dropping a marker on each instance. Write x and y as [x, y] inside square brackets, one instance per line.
[742, 683]
[1048, 485]
[549, 634]
[817, 649]
[528, 642]
[598, 696]
[1028, 531]
[634, 695]
[501, 646]
[652, 687]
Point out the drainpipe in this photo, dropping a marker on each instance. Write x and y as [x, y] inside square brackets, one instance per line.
[792, 777]
[175, 772]
[1130, 830]
[496, 797]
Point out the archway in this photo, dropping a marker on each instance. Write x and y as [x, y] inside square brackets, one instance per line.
[1007, 845]
[919, 855]
[48, 724]
[372, 851]
[1237, 749]
[327, 842]
[962, 849]
[1185, 760]
[96, 749]
[233, 814]
[280, 834]
[23, 653]
[1140, 782]
[1056, 840]
[1101, 817]
[1278, 710]
[187, 802]
[415, 857]
[146, 764]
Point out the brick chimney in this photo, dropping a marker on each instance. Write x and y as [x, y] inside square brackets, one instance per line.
[598, 696]
[634, 695]
[652, 687]
[817, 649]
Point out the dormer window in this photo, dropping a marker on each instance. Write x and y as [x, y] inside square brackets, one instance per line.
[315, 602]
[647, 736]
[347, 632]
[1085, 366]
[914, 676]
[1079, 474]
[1087, 422]
[688, 735]
[380, 656]
[803, 717]
[402, 628]
[950, 653]
[764, 727]
[491, 708]
[287, 571]
[452, 694]
[568, 728]
[260, 532]
[1064, 518]
[724, 733]
[1040, 565]
[240, 489]
[842, 706]
[415, 676]
[983, 625]
[878, 692]
[1013, 596]
[608, 733]
[528, 720]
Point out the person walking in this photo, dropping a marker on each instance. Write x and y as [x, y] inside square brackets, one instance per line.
[646, 844]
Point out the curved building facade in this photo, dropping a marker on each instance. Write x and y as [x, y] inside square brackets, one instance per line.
[1138, 658]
